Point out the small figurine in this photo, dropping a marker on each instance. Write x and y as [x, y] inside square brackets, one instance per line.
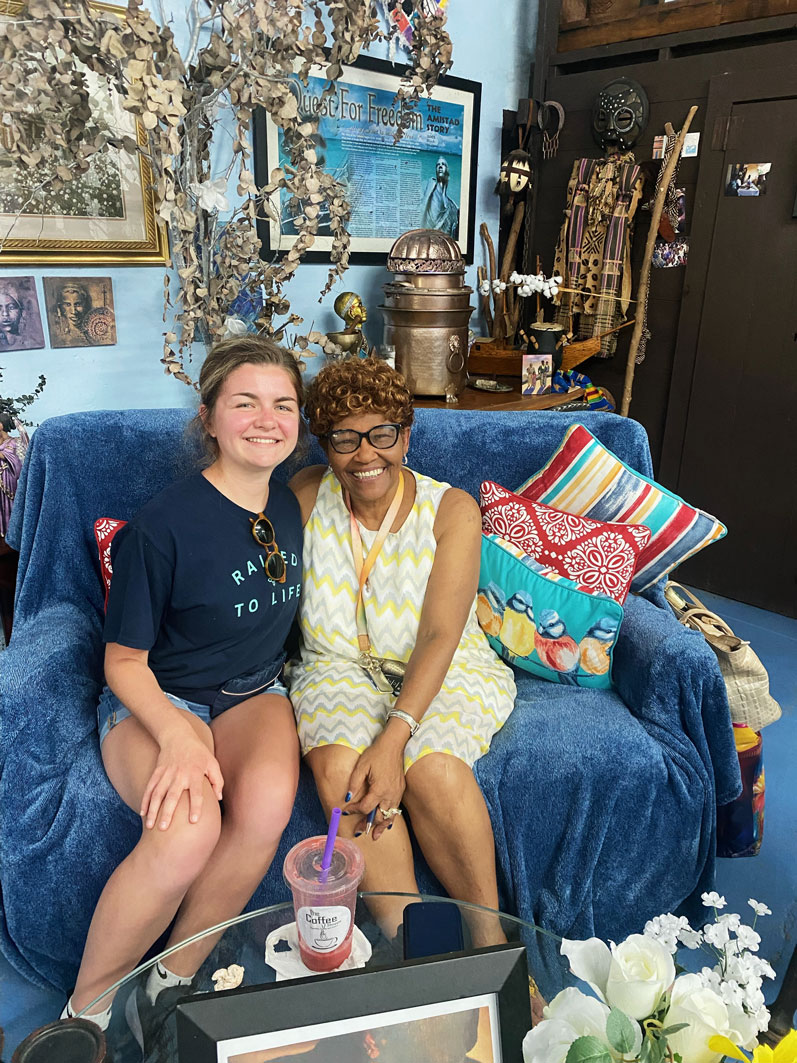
[352, 340]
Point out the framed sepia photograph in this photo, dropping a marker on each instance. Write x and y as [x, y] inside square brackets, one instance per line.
[466, 1008]
[425, 181]
[20, 319]
[106, 215]
[80, 311]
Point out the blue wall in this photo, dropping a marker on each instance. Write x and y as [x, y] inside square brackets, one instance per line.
[493, 44]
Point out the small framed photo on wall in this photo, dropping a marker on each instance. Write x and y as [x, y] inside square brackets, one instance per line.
[80, 311]
[20, 319]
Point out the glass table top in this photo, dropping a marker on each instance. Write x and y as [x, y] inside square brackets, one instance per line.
[141, 1032]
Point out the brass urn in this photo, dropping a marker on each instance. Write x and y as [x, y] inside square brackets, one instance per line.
[426, 312]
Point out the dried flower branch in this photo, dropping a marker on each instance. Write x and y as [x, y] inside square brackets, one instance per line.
[61, 61]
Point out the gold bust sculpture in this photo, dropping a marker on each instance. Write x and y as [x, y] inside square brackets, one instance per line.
[352, 339]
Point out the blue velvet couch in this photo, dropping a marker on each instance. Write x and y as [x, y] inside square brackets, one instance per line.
[603, 802]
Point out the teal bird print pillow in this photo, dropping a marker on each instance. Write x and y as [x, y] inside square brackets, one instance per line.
[541, 621]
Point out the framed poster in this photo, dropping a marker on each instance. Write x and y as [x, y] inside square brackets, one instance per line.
[106, 215]
[426, 180]
[472, 1007]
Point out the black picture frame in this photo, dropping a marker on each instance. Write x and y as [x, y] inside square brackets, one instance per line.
[362, 115]
[225, 1027]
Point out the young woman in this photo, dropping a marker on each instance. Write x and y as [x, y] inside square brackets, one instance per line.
[205, 587]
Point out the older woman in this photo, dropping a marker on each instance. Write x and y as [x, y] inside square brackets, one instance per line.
[391, 566]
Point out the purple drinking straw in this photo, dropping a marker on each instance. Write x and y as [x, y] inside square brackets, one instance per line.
[329, 848]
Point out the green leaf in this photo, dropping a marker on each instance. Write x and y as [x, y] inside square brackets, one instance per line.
[620, 1031]
[674, 1028]
[588, 1050]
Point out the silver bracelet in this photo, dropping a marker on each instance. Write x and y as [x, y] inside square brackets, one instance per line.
[410, 721]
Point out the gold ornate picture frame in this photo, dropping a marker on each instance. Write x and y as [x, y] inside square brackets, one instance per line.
[105, 216]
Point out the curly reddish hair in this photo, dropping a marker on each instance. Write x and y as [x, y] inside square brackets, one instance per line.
[355, 386]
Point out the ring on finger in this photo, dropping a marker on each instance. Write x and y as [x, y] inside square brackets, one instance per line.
[389, 813]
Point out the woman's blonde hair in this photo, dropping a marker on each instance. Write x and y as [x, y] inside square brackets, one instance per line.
[354, 386]
[224, 358]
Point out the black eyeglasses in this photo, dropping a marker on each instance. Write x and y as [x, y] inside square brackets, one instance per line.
[263, 532]
[381, 436]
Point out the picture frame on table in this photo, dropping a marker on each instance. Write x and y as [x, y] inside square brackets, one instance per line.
[105, 216]
[464, 1008]
[392, 187]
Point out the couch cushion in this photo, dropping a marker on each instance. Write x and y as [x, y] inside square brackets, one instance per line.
[584, 477]
[542, 621]
[598, 556]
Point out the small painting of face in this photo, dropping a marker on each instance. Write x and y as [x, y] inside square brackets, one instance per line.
[255, 420]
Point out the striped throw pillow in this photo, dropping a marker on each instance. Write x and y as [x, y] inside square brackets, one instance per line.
[585, 478]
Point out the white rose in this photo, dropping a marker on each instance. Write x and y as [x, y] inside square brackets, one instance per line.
[570, 1014]
[632, 976]
[695, 1004]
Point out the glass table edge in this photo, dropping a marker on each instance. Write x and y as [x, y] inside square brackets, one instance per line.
[272, 908]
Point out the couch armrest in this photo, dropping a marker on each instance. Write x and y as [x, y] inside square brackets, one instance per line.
[670, 680]
[50, 679]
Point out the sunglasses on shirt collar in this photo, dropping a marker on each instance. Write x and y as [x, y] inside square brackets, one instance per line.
[263, 534]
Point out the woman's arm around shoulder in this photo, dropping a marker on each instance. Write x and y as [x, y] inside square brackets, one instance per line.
[305, 486]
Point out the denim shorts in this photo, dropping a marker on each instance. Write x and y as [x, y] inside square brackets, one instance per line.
[111, 711]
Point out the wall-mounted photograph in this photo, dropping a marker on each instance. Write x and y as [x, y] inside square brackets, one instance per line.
[105, 215]
[747, 178]
[80, 311]
[20, 319]
[427, 179]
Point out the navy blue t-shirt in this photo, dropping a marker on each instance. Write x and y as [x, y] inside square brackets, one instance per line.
[189, 585]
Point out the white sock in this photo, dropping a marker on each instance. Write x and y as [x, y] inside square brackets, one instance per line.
[99, 1018]
[160, 978]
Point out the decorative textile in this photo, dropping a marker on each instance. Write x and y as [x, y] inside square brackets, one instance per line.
[593, 252]
[10, 468]
[584, 477]
[565, 380]
[541, 621]
[628, 778]
[598, 557]
[333, 700]
[104, 530]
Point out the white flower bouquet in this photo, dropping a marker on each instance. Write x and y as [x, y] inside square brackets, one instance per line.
[645, 1010]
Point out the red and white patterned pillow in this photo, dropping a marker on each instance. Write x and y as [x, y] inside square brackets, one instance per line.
[598, 556]
[104, 530]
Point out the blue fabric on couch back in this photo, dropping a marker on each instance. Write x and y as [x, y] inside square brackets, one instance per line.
[603, 802]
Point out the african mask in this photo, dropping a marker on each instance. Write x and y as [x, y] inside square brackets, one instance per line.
[619, 115]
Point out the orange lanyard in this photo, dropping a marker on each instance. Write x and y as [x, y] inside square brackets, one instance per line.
[363, 567]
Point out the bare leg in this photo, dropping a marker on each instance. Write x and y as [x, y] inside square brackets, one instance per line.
[452, 825]
[141, 896]
[258, 751]
[388, 861]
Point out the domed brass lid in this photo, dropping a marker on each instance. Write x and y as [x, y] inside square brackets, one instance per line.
[425, 251]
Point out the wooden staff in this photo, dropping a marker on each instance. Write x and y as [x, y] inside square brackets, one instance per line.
[644, 275]
[485, 235]
[481, 274]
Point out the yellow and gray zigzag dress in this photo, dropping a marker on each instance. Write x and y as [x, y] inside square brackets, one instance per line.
[333, 700]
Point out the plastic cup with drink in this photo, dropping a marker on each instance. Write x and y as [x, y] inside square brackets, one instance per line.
[323, 874]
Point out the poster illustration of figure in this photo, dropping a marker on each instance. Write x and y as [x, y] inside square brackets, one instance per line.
[80, 311]
[439, 209]
[20, 320]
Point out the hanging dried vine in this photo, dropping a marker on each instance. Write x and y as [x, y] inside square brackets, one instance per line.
[59, 57]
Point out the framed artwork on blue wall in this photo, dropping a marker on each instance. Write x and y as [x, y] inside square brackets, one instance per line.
[427, 179]
[106, 215]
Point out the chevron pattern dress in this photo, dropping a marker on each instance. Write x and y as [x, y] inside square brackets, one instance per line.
[333, 700]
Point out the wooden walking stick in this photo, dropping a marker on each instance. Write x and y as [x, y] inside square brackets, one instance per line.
[644, 274]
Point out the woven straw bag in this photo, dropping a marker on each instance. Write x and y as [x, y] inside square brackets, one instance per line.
[745, 676]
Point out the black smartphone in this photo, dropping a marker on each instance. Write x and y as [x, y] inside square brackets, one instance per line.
[432, 928]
